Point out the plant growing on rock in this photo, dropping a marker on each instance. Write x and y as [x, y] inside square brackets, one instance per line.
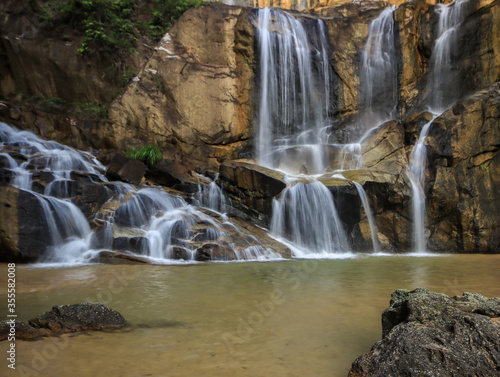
[165, 12]
[149, 154]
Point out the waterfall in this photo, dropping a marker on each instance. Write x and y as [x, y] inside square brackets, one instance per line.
[443, 92]
[294, 101]
[306, 215]
[378, 71]
[443, 89]
[69, 230]
[369, 216]
[418, 162]
[141, 220]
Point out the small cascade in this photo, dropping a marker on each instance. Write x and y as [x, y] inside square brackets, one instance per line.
[306, 215]
[378, 71]
[418, 163]
[443, 89]
[369, 216]
[130, 219]
[212, 196]
[323, 35]
[69, 230]
[350, 157]
[294, 87]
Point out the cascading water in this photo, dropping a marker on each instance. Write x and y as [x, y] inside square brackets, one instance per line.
[145, 221]
[418, 162]
[442, 87]
[293, 129]
[69, 230]
[294, 102]
[443, 92]
[369, 216]
[306, 215]
[213, 197]
[378, 71]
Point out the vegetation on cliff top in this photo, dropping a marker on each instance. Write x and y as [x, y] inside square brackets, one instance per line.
[110, 26]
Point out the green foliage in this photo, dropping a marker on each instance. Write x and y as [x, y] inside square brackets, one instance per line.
[106, 25]
[165, 12]
[50, 104]
[127, 76]
[149, 154]
[89, 110]
[484, 165]
[109, 26]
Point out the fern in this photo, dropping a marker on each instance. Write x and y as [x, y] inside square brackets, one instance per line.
[149, 154]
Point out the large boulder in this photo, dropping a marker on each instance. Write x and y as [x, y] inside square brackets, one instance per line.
[65, 319]
[430, 334]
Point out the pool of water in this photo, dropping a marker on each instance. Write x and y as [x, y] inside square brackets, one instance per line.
[283, 318]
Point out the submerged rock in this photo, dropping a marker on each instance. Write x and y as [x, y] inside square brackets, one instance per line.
[430, 334]
[66, 319]
[115, 257]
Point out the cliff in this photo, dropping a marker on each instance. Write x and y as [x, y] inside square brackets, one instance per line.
[194, 95]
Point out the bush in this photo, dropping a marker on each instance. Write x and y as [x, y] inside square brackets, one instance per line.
[149, 154]
[165, 12]
[110, 25]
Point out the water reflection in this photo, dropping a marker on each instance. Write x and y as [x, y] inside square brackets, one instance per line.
[293, 318]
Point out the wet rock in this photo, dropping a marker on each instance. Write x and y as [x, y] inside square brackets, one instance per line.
[126, 169]
[178, 252]
[431, 334]
[24, 234]
[82, 176]
[91, 196]
[66, 319]
[251, 187]
[114, 257]
[166, 174]
[246, 232]
[138, 245]
[214, 252]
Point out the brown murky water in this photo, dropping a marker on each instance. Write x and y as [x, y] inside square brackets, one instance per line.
[291, 318]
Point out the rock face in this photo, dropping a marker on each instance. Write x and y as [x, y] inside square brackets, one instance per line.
[66, 319]
[251, 187]
[196, 97]
[24, 234]
[464, 175]
[194, 94]
[431, 334]
[36, 65]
